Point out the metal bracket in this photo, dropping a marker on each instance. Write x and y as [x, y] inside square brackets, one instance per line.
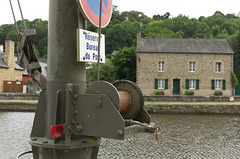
[91, 115]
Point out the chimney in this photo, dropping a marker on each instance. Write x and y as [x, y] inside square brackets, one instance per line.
[138, 38]
[9, 53]
[1, 48]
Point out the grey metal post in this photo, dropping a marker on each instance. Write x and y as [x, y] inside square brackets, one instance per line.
[63, 68]
[99, 41]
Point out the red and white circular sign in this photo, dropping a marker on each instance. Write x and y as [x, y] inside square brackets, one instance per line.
[91, 11]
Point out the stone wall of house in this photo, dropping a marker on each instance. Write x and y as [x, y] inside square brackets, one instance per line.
[177, 66]
[9, 74]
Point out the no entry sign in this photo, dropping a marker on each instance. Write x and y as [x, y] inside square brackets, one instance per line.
[91, 9]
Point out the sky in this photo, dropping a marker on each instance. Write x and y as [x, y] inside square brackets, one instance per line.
[33, 9]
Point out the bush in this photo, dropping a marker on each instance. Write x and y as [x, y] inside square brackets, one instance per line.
[158, 93]
[218, 93]
[188, 93]
[234, 80]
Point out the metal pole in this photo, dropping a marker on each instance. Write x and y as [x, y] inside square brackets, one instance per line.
[63, 69]
[14, 17]
[22, 15]
[99, 40]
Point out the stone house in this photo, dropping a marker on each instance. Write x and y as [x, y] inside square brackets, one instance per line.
[10, 72]
[177, 65]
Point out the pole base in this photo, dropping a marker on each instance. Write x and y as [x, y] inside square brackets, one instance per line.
[86, 148]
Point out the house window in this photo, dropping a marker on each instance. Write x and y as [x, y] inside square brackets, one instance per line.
[218, 67]
[161, 84]
[192, 66]
[161, 66]
[192, 84]
[218, 84]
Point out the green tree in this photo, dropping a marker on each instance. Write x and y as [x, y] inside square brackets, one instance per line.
[202, 31]
[155, 29]
[157, 17]
[121, 35]
[161, 17]
[5, 29]
[9, 32]
[132, 16]
[231, 16]
[234, 80]
[230, 26]
[215, 30]
[115, 13]
[125, 63]
[116, 38]
[41, 46]
[12, 35]
[201, 18]
[236, 49]
[106, 72]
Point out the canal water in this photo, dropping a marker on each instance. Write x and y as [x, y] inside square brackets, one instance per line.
[182, 136]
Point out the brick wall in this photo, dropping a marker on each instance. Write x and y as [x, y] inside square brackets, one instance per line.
[177, 66]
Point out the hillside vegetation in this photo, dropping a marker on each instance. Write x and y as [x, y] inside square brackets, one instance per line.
[121, 35]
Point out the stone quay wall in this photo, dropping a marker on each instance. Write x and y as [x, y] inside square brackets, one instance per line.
[18, 96]
[193, 109]
[188, 98]
[192, 105]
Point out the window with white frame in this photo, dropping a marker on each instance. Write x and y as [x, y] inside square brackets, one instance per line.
[161, 83]
[192, 66]
[161, 66]
[218, 84]
[192, 84]
[218, 67]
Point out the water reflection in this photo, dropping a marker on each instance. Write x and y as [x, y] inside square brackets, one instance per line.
[182, 136]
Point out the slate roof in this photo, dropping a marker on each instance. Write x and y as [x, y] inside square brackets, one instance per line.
[44, 68]
[1, 51]
[2, 62]
[170, 45]
[17, 67]
[4, 65]
[114, 52]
